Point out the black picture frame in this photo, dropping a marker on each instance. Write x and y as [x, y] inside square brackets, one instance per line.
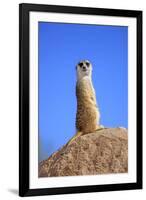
[24, 10]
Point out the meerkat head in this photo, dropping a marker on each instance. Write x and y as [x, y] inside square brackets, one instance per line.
[84, 69]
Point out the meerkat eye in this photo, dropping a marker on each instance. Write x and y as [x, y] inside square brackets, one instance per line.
[80, 64]
[87, 64]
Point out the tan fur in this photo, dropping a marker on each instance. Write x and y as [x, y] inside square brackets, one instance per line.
[87, 117]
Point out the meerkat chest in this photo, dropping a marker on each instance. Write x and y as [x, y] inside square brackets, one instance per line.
[85, 91]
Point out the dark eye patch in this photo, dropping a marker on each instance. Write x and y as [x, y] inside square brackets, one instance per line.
[80, 64]
[87, 64]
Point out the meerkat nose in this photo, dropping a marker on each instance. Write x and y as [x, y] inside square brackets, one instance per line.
[84, 67]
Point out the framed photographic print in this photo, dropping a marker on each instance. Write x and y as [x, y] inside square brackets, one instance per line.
[80, 99]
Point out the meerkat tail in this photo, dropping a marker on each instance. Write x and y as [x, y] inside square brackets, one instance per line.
[79, 133]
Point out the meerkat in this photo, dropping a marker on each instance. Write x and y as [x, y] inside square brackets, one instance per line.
[88, 115]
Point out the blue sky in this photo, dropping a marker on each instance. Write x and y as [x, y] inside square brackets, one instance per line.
[61, 47]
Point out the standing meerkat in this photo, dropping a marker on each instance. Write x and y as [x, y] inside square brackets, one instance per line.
[88, 115]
